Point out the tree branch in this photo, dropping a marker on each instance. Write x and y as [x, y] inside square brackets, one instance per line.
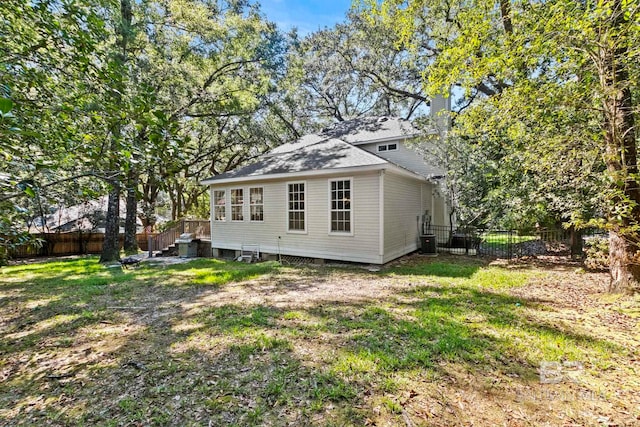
[60, 181]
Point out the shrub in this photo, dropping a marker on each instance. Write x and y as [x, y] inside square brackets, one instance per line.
[597, 253]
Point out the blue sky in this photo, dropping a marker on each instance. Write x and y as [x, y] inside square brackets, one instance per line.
[308, 16]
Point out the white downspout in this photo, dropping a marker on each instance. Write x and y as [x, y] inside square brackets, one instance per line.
[381, 215]
[212, 214]
[433, 205]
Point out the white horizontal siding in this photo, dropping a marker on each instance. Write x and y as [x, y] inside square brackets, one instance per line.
[402, 215]
[440, 211]
[404, 156]
[427, 199]
[317, 242]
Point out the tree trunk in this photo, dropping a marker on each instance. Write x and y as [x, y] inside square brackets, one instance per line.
[111, 244]
[621, 160]
[130, 241]
[192, 200]
[623, 264]
[175, 196]
[150, 191]
[575, 241]
[174, 206]
[505, 10]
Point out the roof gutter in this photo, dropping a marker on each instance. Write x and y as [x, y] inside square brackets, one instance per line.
[389, 138]
[395, 138]
[318, 173]
[289, 175]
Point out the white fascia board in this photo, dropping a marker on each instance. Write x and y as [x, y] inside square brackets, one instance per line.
[297, 175]
[406, 172]
[402, 137]
[387, 139]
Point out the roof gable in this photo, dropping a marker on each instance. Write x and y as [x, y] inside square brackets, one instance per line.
[371, 129]
[332, 149]
[322, 155]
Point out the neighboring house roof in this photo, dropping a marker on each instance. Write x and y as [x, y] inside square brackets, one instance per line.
[332, 149]
[89, 215]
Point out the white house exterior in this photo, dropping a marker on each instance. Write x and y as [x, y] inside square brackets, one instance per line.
[355, 192]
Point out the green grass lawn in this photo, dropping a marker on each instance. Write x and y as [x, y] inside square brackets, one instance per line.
[424, 342]
[504, 238]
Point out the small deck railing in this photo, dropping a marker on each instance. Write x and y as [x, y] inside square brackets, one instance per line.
[200, 227]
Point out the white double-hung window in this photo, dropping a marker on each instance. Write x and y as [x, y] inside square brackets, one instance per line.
[256, 204]
[219, 205]
[237, 204]
[296, 207]
[340, 206]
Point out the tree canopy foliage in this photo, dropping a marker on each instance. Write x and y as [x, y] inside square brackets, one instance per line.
[550, 92]
[356, 69]
[146, 98]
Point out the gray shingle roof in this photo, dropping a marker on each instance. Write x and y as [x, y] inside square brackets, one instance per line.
[304, 141]
[333, 148]
[368, 129]
[323, 154]
[356, 131]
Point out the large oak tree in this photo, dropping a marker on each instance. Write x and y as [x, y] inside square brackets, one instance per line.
[520, 62]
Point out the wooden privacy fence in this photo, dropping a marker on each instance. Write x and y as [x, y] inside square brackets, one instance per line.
[83, 242]
[72, 243]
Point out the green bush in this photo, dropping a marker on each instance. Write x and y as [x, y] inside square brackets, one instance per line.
[597, 254]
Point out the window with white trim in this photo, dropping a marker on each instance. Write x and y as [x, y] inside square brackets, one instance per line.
[220, 205]
[387, 147]
[237, 204]
[340, 210]
[296, 209]
[256, 204]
